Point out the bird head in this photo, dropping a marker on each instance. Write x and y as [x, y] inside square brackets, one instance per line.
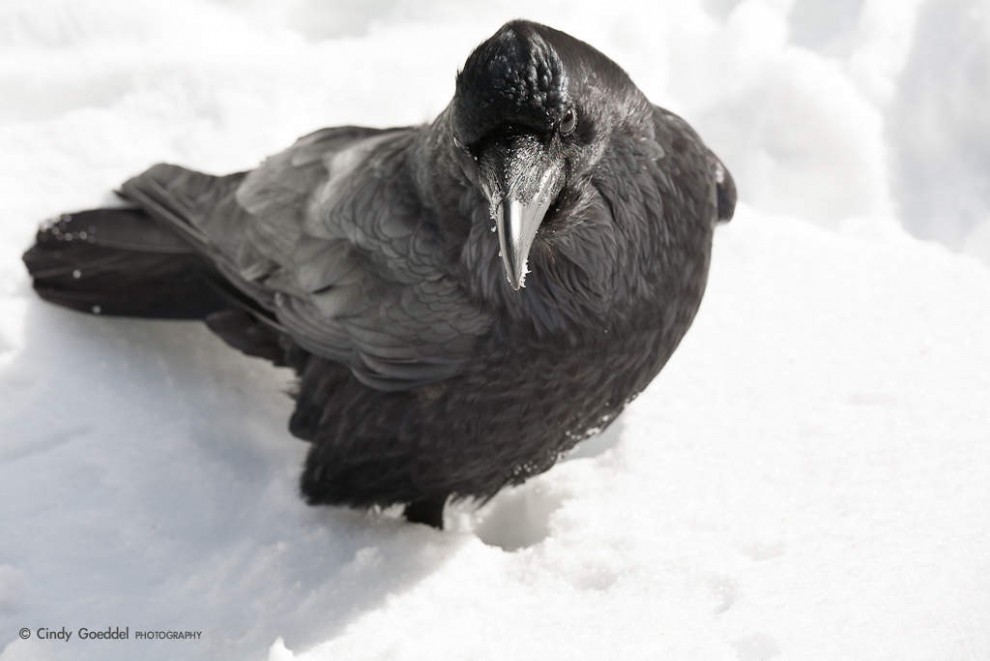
[534, 108]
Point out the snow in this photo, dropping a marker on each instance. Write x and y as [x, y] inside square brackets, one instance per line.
[807, 479]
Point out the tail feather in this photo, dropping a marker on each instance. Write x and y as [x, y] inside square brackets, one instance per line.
[121, 262]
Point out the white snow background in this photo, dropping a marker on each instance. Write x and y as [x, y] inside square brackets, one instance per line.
[809, 478]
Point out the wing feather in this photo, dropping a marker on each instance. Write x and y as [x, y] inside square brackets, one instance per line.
[329, 236]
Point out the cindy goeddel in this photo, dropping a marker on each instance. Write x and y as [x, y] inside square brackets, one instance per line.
[108, 633]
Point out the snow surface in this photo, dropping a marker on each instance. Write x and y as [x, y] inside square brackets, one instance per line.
[809, 478]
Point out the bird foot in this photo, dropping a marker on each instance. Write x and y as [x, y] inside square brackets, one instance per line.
[428, 511]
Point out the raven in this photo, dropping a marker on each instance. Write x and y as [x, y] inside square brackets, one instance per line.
[462, 301]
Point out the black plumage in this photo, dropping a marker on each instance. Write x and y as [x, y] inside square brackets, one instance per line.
[389, 269]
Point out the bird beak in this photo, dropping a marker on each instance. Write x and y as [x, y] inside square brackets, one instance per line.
[522, 181]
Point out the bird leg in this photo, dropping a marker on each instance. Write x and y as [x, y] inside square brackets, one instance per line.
[427, 510]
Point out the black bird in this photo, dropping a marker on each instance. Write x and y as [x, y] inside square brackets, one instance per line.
[462, 301]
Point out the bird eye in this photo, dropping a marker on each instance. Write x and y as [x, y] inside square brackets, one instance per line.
[568, 122]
